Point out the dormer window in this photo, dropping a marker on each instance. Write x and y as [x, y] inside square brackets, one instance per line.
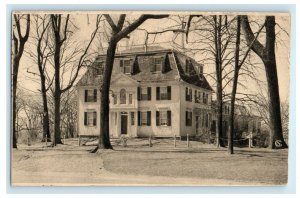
[125, 66]
[156, 64]
[188, 67]
[100, 69]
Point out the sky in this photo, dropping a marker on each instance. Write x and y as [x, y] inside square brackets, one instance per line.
[85, 24]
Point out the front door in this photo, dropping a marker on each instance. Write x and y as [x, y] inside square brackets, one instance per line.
[124, 121]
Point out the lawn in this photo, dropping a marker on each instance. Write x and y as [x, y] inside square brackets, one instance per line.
[139, 164]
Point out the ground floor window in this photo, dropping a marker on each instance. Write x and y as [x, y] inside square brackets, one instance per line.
[188, 118]
[163, 118]
[132, 118]
[90, 118]
[144, 118]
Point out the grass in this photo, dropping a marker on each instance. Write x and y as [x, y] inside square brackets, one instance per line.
[140, 164]
[201, 161]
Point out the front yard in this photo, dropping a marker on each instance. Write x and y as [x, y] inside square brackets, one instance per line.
[139, 164]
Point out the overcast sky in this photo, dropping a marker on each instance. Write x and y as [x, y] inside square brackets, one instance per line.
[86, 24]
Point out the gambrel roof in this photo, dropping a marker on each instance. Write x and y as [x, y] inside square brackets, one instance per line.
[141, 61]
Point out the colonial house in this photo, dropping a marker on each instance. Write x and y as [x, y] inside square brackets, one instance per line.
[155, 92]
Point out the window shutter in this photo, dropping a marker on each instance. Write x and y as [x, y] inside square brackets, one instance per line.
[85, 95]
[148, 118]
[195, 95]
[186, 94]
[157, 93]
[169, 118]
[138, 93]
[191, 95]
[139, 118]
[191, 119]
[121, 66]
[169, 92]
[149, 93]
[152, 64]
[186, 118]
[164, 66]
[95, 118]
[157, 118]
[131, 65]
[85, 118]
[95, 95]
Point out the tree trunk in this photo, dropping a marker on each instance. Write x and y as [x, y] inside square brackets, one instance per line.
[16, 62]
[267, 55]
[104, 141]
[237, 67]
[57, 94]
[46, 129]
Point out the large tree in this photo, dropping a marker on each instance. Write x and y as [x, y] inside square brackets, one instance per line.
[18, 48]
[266, 53]
[61, 32]
[118, 32]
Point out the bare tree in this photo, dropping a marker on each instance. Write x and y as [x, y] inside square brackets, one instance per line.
[41, 57]
[267, 54]
[18, 48]
[118, 32]
[61, 33]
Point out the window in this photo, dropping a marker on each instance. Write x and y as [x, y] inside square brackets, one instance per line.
[123, 96]
[132, 118]
[156, 64]
[188, 94]
[163, 93]
[115, 99]
[90, 95]
[100, 69]
[188, 118]
[90, 118]
[188, 67]
[130, 98]
[163, 118]
[205, 98]
[125, 66]
[144, 93]
[144, 118]
[197, 96]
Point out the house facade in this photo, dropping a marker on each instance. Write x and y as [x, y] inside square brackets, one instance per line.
[159, 93]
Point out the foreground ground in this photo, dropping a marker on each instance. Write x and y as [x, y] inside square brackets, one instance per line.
[139, 164]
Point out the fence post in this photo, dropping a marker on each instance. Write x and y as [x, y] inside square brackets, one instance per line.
[150, 143]
[187, 140]
[174, 140]
[46, 140]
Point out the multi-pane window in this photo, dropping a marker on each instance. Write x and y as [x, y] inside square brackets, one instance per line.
[188, 94]
[188, 118]
[130, 98]
[163, 118]
[144, 118]
[198, 96]
[115, 99]
[144, 93]
[125, 66]
[90, 118]
[100, 69]
[132, 118]
[90, 95]
[157, 64]
[163, 93]
[123, 96]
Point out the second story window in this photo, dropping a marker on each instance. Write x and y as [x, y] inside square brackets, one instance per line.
[125, 66]
[100, 68]
[123, 96]
[144, 93]
[188, 94]
[130, 98]
[163, 93]
[90, 95]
